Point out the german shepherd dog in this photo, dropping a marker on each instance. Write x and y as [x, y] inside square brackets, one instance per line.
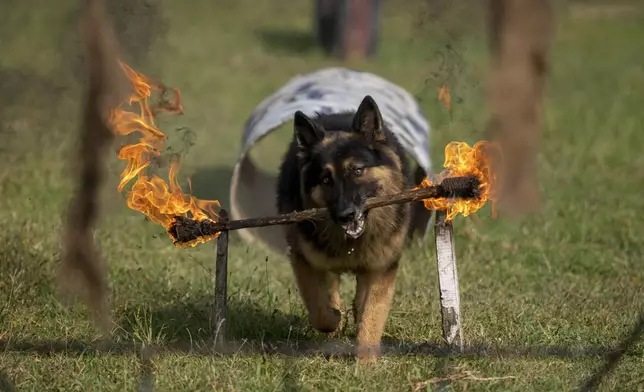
[338, 161]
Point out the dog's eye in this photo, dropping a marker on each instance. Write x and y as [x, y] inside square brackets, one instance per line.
[358, 171]
[326, 180]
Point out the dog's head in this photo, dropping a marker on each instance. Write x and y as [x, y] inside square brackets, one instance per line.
[341, 168]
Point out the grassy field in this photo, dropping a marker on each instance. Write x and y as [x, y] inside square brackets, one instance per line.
[543, 299]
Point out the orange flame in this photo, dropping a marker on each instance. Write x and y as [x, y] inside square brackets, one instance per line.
[463, 160]
[444, 96]
[150, 194]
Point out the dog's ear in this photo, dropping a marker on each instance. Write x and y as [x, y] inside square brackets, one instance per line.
[307, 134]
[368, 120]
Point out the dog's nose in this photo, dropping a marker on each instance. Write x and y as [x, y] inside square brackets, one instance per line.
[347, 215]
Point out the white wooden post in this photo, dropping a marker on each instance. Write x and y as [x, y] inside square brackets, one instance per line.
[448, 281]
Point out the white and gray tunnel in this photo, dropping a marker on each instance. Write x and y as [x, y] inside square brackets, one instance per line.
[329, 90]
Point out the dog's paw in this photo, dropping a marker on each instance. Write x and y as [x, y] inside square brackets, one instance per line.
[327, 322]
[367, 354]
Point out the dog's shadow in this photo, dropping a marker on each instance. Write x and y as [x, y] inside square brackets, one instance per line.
[192, 322]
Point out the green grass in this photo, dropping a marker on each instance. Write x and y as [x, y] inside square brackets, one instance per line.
[542, 298]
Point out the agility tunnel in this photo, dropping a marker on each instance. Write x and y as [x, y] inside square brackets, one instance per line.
[329, 90]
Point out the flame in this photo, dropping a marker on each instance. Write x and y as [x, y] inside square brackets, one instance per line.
[161, 202]
[444, 96]
[462, 160]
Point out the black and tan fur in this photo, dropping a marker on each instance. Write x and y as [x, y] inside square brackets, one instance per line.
[359, 158]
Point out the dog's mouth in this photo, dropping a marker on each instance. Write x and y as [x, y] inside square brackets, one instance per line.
[355, 228]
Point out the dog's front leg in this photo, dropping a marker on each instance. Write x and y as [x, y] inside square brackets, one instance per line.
[374, 294]
[320, 292]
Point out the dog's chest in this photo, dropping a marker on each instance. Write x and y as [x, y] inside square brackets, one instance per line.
[367, 255]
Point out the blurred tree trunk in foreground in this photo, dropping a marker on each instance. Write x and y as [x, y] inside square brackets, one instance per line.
[520, 34]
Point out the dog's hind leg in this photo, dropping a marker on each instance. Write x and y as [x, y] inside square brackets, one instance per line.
[320, 292]
[374, 294]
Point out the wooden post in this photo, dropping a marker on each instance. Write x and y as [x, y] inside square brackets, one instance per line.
[220, 321]
[448, 282]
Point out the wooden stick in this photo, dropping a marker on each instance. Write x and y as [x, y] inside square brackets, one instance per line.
[186, 230]
[448, 282]
[220, 322]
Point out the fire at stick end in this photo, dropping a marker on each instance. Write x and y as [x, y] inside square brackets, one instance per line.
[465, 187]
[187, 232]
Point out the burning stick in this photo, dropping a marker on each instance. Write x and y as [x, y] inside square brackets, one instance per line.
[190, 221]
[187, 231]
[151, 195]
